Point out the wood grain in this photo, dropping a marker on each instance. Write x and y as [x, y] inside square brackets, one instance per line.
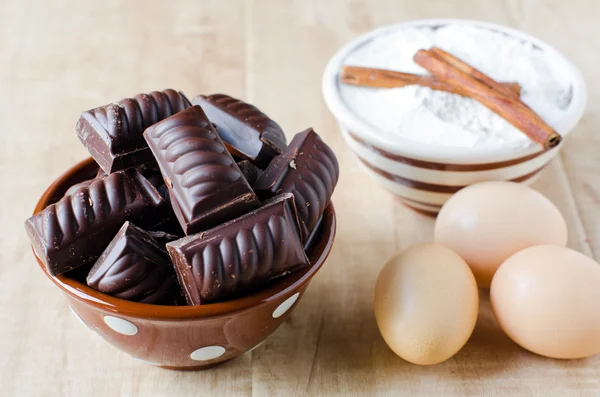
[57, 59]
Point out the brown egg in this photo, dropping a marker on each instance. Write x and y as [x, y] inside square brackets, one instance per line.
[547, 299]
[488, 222]
[426, 303]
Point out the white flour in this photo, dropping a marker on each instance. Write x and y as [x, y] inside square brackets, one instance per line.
[441, 118]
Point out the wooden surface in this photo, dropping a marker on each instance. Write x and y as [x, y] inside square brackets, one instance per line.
[60, 57]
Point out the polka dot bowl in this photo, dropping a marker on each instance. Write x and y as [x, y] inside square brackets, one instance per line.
[186, 337]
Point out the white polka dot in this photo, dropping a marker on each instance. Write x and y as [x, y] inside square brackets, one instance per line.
[207, 353]
[286, 305]
[121, 326]
[77, 316]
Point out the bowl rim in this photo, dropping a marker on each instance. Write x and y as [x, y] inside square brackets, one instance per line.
[275, 290]
[409, 148]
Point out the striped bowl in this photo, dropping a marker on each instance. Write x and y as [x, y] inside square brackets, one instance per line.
[425, 176]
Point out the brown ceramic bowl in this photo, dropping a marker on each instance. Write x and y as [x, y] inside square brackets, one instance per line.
[186, 337]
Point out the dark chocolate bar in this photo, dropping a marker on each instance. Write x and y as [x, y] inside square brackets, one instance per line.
[76, 229]
[250, 171]
[133, 267]
[205, 185]
[74, 188]
[113, 133]
[247, 132]
[152, 173]
[309, 169]
[241, 254]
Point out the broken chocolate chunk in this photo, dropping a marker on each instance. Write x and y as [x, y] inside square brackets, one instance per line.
[133, 267]
[309, 169]
[248, 133]
[76, 229]
[205, 185]
[240, 255]
[113, 133]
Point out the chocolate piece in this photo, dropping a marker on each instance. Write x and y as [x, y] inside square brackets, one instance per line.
[309, 169]
[113, 133]
[73, 189]
[162, 238]
[133, 267]
[241, 254]
[76, 229]
[150, 172]
[206, 187]
[247, 132]
[250, 171]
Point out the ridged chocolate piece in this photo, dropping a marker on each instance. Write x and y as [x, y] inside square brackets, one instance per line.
[206, 187]
[150, 172]
[248, 133]
[250, 171]
[76, 229]
[133, 267]
[239, 255]
[309, 169]
[113, 133]
[74, 188]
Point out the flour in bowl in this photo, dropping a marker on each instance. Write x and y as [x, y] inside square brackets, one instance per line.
[435, 117]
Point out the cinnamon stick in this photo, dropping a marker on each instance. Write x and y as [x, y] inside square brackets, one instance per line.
[509, 107]
[383, 78]
[471, 71]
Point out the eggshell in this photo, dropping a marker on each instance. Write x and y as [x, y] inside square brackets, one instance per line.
[547, 299]
[426, 303]
[488, 222]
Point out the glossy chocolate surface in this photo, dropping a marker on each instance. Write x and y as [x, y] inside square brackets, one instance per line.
[240, 255]
[73, 189]
[133, 267]
[248, 133]
[205, 185]
[113, 133]
[76, 229]
[150, 171]
[309, 170]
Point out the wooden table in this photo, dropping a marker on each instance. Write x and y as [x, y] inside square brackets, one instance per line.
[60, 57]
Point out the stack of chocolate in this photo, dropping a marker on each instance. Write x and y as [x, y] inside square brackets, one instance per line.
[201, 199]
